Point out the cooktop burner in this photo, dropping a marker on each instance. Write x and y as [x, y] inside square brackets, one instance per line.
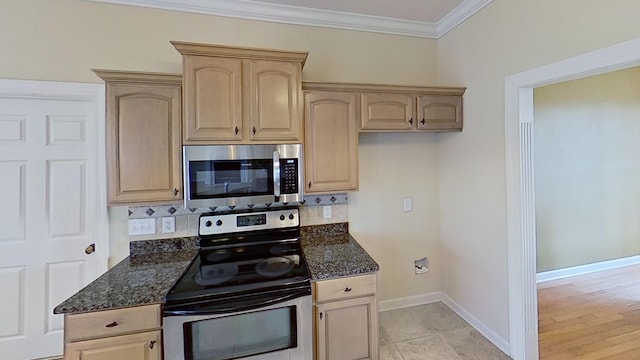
[242, 253]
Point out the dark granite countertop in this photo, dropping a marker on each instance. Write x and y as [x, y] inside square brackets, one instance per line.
[331, 252]
[145, 277]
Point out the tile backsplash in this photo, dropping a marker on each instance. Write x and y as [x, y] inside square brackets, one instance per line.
[186, 220]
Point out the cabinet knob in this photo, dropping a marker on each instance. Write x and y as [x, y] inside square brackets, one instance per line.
[113, 324]
[175, 192]
[411, 121]
[321, 316]
[422, 121]
[236, 130]
[90, 249]
[347, 289]
[254, 130]
[309, 184]
[152, 343]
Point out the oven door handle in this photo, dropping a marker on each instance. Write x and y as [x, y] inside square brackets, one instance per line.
[234, 305]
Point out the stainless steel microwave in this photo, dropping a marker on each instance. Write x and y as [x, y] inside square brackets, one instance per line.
[234, 175]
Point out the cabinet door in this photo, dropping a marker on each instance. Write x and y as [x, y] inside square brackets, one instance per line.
[331, 142]
[143, 143]
[275, 105]
[440, 112]
[212, 99]
[393, 112]
[141, 346]
[347, 330]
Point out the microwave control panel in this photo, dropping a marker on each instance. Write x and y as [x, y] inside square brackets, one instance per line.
[289, 176]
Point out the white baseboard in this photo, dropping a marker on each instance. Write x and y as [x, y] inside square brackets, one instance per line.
[586, 269]
[433, 297]
[498, 341]
[409, 301]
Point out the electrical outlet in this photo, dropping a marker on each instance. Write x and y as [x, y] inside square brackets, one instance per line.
[168, 224]
[142, 226]
[326, 211]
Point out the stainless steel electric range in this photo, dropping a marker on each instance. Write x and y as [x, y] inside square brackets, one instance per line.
[246, 295]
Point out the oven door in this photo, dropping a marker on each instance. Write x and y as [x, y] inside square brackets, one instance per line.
[274, 332]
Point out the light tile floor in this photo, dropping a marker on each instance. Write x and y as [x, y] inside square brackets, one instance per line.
[432, 332]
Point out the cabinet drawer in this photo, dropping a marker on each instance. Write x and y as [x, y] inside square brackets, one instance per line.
[111, 322]
[344, 288]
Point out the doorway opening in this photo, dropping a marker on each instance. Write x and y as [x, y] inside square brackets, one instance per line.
[521, 225]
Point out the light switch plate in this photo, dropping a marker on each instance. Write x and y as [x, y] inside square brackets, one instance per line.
[326, 211]
[407, 204]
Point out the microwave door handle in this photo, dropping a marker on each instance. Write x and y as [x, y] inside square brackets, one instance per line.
[276, 175]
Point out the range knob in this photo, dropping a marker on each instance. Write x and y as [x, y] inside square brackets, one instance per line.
[290, 216]
[219, 223]
[281, 217]
[208, 224]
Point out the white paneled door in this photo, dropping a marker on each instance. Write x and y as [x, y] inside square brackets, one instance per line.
[53, 208]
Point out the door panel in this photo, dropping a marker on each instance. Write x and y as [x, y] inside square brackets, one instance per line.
[13, 209]
[11, 309]
[54, 206]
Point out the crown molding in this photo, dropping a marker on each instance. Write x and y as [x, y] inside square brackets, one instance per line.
[255, 10]
[458, 15]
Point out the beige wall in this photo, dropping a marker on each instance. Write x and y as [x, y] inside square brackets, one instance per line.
[506, 37]
[587, 170]
[62, 39]
[393, 167]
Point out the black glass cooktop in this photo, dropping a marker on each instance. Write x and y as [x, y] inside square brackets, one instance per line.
[228, 271]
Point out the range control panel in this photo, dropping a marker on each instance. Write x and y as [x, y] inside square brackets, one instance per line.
[212, 224]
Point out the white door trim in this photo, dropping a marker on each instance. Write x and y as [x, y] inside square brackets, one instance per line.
[521, 236]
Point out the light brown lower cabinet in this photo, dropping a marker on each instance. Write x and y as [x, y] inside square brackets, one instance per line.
[346, 317]
[131, 333]
[141, 346]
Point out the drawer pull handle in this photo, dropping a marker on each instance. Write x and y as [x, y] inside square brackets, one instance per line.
[411, 121]
[348, 289]
[152, 343]
[113, 324]
[422, 122]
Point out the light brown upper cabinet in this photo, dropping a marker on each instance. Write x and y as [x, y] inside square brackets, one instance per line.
[440, 112]
[143, 112]
[241, 95]
[331, 141]
[402, 108]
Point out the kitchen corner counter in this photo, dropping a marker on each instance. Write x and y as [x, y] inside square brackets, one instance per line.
[143, 278]
[331, 252]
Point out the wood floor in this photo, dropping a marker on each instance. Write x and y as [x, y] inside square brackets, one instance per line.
[593, 316]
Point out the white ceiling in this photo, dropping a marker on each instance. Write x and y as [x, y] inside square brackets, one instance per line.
[420, 18]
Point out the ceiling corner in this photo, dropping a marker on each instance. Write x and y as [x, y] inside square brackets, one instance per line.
[458, 15]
